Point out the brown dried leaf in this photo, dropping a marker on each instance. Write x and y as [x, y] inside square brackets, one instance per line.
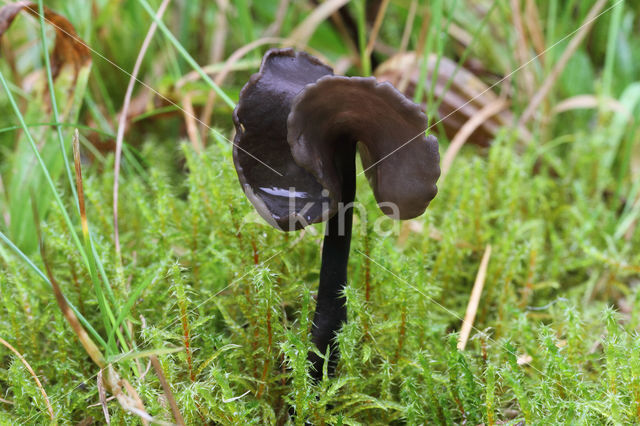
[524, 359]
[465, 97]
[68, 49]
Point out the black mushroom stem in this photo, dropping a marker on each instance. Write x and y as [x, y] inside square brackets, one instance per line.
[297, 126]
[331, 309]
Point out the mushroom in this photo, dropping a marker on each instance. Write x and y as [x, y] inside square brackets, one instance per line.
[297, 129]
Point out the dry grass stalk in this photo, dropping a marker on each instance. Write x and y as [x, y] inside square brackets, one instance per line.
[190, 121]
[521, 52]
[79, 187]
[373, 35]
[343, 29]
[474, 300]
[532, 22]
[33, 374]
[630, 230]
[412, 65]
[217, 53]
[111, 398]
[137, 401]
[122, 122]
[281, 13]
[129, 401]
[303, 32]
[580, 34]
[177, 416]
[459, 34]
[592, 101]
[220, 35]
[102, 395]
[408, 26]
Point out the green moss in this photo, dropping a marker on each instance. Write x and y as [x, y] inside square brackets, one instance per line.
[555, 338]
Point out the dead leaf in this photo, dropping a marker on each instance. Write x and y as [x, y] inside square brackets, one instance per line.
[462, 100]
[408, 227]
[68, 48]
[524, 359]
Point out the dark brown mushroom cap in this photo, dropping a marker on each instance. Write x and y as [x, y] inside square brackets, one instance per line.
[294, 120]
[401, 163]
[261, 154]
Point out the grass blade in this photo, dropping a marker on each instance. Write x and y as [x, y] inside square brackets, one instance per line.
[52, 95]
[186, 54]
[43, 167]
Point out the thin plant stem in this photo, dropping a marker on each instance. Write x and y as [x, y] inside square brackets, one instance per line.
[33, 374]
[123, 120]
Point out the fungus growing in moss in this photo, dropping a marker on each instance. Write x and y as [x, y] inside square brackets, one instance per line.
[297, 131]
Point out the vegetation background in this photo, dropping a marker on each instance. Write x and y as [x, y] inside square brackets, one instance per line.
[198, 312]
